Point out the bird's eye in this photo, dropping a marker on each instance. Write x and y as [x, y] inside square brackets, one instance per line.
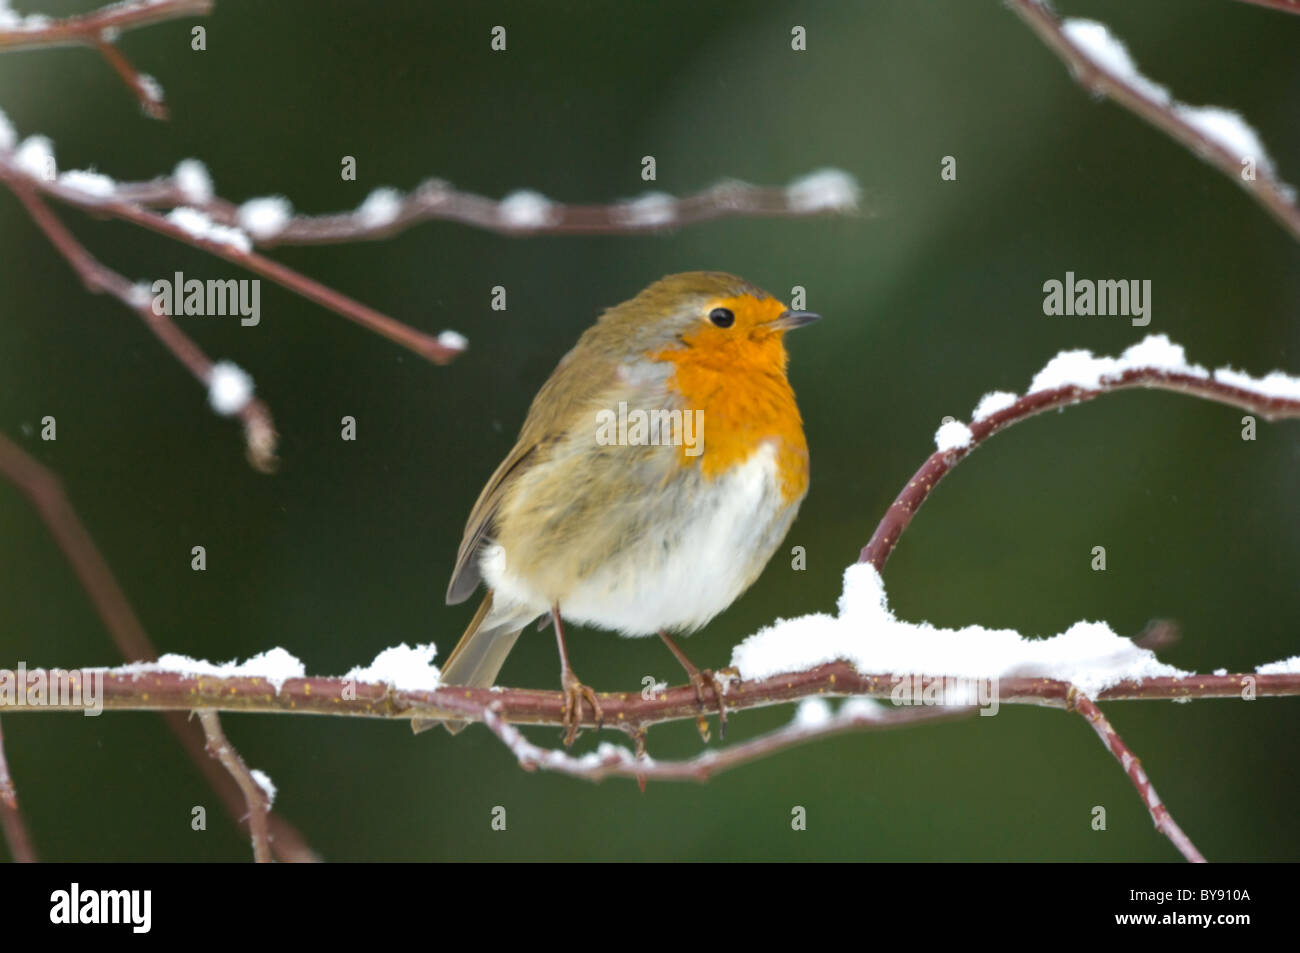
[722, 317]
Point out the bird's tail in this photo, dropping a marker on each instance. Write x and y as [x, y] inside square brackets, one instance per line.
[478, 656]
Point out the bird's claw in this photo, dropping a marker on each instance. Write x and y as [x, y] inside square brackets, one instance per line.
[574, 694]
[699, 679]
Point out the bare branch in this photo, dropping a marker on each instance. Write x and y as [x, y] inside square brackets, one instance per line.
[1153, 103]
[258, 803]
[99, 30]
[1282, 6]
[1164, 821]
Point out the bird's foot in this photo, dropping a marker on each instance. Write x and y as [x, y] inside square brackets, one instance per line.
[699, 679]
[574, 694]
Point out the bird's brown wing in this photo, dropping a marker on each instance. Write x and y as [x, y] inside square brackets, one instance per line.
[572, 388]
[466, 576]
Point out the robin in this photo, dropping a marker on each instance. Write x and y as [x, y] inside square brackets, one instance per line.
[659, 468]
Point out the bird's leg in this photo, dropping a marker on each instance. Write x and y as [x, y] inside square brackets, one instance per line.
[574, 690]
[698, 680]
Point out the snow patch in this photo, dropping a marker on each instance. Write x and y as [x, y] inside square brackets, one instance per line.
[194, 181]
[866, 634]
[406, 669]
[823, 190]
[230, 388]
[265, 217]
[275, 666]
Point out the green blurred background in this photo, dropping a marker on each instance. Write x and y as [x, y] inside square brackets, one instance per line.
[930, 301]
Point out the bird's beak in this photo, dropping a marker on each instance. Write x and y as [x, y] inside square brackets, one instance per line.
[790, 320]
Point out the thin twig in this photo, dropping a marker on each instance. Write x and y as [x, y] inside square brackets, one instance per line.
[254, 797]
[1282, 6]
[1166, 114]
[98, 30]
[435, 200]
[1164, 821]
[259, 425]
[11, 816]
[612, 760]
[147, 91]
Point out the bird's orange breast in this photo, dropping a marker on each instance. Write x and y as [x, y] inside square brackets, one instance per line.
[740, 384]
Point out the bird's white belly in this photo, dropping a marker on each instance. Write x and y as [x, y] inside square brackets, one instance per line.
[693, 565]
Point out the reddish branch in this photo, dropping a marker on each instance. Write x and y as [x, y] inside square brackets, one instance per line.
[624, 711]
[1267, 189]
[99, 29]
[1283, 6]
[1164, 821]
[616, 761]
[435, 200]
[918, 489]
[131, 202]
[254, 797]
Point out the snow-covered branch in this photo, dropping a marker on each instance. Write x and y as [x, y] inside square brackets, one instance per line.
[1073, 377]
[271, 221]
[1101, 63]
[275, 683]
[263, 685]
[31, 165]
[99, 31]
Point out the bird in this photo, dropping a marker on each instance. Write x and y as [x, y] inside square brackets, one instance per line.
[657, 471]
